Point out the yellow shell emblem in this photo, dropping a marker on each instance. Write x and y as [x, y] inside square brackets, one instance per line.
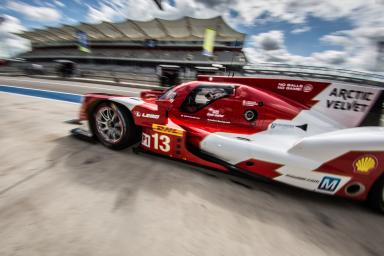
[365, 164]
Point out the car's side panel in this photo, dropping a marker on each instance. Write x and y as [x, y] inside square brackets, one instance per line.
[170, 140]
[344, 105]
[159, 134]
[364, 167]
[302, 162]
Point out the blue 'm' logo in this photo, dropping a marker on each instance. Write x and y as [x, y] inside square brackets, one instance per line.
[329, 184]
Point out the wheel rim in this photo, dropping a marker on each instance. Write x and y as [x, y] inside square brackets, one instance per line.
[109, 124]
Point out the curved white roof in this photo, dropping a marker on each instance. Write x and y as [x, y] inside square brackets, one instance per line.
[186, 28]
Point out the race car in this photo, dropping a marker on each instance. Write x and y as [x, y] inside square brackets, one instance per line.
[319, 136]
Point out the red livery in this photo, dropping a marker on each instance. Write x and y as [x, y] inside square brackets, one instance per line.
[319, 136]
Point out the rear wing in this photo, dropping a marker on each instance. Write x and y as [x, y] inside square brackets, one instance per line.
[348, 105]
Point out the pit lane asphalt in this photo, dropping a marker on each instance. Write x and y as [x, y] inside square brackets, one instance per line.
[62, 196]
[67, 86]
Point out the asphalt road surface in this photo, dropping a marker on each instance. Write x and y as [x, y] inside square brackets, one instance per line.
[62, 196]
[67, 86]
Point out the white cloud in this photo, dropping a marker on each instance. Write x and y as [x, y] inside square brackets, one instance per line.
[292, 11]
[270, 47]
[50, 5]
[12, 44]
[358, 46]
[115, 10]
[34, 12]
[358, 52]
[335, 39]
[248, 12]
[270, 41]
[105, 13]
[301, 30]
[58, 3]
[330, 57]
[11, 25]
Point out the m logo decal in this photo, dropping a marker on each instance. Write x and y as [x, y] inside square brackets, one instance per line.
[329, 184]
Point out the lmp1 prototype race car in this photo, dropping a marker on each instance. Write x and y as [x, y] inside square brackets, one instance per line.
[319, 136]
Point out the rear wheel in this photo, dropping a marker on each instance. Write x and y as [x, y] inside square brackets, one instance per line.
[376, 195]
[114, 126]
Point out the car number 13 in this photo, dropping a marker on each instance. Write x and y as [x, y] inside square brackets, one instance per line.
[160, 142]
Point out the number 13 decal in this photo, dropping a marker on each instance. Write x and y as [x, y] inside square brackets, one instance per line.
[160, 142]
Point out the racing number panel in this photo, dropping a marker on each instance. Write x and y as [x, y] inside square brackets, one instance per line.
[170, 141]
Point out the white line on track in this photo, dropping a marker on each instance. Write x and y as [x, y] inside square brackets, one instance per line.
[69, 85]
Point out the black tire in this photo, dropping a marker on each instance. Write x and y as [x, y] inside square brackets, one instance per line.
[129, 131]
[376, 195]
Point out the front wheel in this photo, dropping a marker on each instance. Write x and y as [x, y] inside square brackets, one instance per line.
[376, 195]
[114, 126]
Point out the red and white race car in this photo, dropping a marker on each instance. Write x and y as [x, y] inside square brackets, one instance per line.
[312, 135]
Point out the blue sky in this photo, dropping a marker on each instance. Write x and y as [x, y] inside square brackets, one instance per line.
[307, 31]
[303, 43]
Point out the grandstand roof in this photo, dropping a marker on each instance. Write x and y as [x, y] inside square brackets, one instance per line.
[186, 28]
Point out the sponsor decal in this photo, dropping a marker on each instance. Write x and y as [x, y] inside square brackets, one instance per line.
[167, 130]
[192, 117]
[146, 140]
[249, 103]
[295, 87]
[214, 113]
[288, 126]
[329, 184]
[160, 142]
[349, 100]
[302, 178]
[365, 164]
[218, 121]
[147, 115]
[308, 88]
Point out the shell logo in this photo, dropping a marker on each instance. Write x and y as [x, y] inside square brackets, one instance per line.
[365, 164]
